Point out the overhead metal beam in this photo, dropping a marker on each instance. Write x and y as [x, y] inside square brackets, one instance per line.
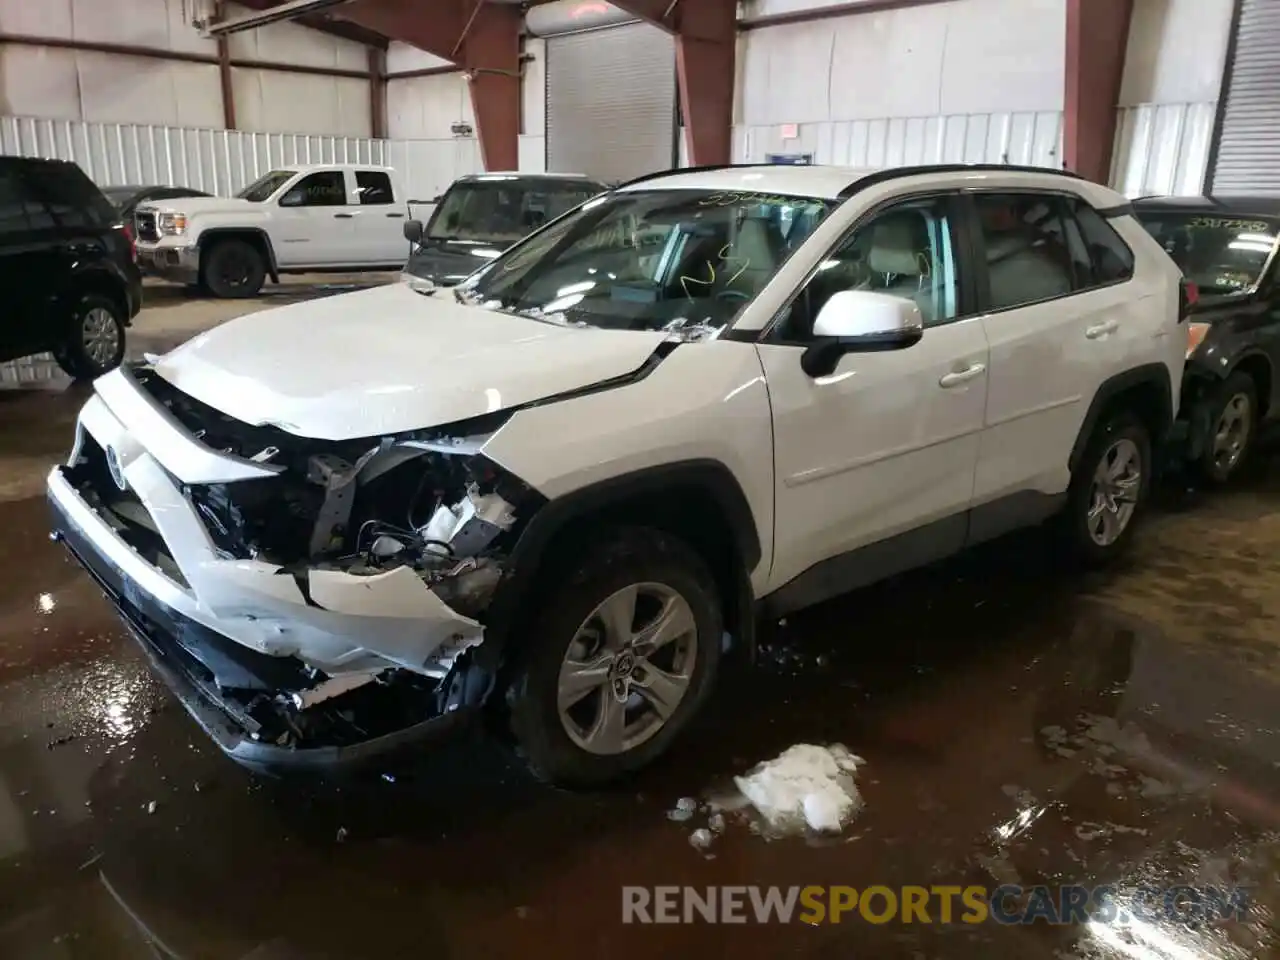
[706, 53]
[1097, 38]
[483, 39]
[261, 16]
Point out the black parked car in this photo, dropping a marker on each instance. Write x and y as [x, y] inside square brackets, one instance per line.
[1227, 248]
[481, 215]
[66, 268]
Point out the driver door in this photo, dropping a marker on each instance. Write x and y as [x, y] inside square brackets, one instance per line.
[317, 222]
[882, 452]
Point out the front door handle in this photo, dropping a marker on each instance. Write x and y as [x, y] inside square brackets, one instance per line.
[1102, 329]
[957, 377]
[342, 216]
[395, 215]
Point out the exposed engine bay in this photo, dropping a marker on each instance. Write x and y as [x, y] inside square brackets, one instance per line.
[428, 502]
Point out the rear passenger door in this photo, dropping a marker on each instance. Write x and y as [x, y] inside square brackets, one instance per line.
[1051, 278]
[379, 220]
[31, 268]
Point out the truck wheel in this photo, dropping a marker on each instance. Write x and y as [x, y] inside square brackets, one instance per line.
[95, 341]
[1109, 489]
[1232, 421]
[623, 652]
[233, 270]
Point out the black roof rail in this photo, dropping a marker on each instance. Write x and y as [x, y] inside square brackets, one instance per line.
[893, 173]
[700, 169]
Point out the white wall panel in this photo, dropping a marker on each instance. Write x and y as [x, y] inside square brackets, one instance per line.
[402, 57]
[767, 8]
[107, 88]
[533, 153]
[271, 100]
[290, 43]
[1162, 148]
[426, 107]
[217, 161]
[1021, 138]
[964, 57]
[145, 23]
[1176, 51]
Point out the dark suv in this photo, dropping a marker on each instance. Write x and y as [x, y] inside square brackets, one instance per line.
[66, 268]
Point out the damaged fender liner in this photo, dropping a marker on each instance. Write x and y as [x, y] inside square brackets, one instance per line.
[153, 626]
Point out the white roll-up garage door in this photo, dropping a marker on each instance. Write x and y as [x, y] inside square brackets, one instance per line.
[611, 92]
[1247, 154]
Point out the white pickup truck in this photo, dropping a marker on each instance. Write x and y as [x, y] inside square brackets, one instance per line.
[327, 217]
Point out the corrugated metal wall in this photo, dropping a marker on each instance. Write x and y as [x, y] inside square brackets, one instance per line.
[1162, 148]
[1026, 138]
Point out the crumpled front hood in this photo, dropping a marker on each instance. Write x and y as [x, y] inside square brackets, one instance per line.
[389, 360]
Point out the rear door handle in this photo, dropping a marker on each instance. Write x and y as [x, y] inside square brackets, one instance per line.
[1102, 329]
[342, 216]
[958, 377]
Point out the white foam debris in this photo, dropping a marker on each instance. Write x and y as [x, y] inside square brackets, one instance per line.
[684, 809]
[806, 786]
[701, 838]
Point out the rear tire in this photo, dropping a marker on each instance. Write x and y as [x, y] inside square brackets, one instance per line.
[233, 270]
[1233, 420]
[560, 713]
[95, 342]
[1108, 490]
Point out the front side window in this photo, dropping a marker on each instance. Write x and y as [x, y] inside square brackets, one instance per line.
[262, 189]
[1221, 255]
[905, 251]
[374, 188]
[326, 189]
[650, 260]
[1024, 242]
[501, 212]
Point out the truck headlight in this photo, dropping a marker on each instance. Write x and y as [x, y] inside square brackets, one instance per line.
[172, 224]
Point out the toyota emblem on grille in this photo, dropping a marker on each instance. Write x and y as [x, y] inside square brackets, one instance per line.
[117, 470]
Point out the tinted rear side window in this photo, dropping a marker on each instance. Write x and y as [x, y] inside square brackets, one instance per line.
[70, 196]
[1110, 256]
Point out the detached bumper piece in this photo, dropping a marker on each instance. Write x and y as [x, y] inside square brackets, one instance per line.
[244, 700]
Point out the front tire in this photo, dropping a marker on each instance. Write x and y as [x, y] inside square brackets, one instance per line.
[1233, 419]
[1109, 490]
[233, 270]
[95, 343]
[623, 652]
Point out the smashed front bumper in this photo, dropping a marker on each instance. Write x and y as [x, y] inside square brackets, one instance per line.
[281, 667]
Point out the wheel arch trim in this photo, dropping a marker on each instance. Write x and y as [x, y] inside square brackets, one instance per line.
[218, 233]
[1147, 375]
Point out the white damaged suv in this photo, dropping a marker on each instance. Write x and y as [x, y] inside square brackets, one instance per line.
[570, 485]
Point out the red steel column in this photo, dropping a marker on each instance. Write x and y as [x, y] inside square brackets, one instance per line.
[1097, 38]
[706, 52]
[482, 38]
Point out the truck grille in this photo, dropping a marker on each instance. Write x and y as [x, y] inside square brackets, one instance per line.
[146, 226]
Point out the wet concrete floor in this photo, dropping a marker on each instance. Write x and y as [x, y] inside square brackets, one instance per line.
[1020, 723]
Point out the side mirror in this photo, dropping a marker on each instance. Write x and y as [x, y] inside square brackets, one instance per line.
[859, 321]
[293, 198]
[413, 231]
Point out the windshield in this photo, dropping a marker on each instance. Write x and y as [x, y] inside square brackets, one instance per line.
[1221, 255]
[679, 260]
[503, 211]
[261, 189]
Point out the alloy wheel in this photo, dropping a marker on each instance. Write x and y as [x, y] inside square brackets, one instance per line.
[1114, 494]
[100, 335]
[628, 668]
[1231, 434]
